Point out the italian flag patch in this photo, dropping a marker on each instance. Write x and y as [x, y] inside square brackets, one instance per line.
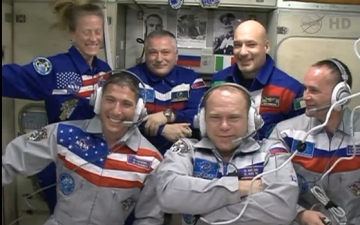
[299, 103]
[223, 61]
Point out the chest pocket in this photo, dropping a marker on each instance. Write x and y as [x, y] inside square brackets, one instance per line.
[206, 169]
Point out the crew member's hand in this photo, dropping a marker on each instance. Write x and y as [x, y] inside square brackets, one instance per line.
[153, 121]
[309, 217]
[245, 185]
[173, 132]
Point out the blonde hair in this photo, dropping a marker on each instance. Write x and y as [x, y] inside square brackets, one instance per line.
[70, 10]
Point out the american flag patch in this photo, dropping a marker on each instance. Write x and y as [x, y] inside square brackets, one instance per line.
[80, 85]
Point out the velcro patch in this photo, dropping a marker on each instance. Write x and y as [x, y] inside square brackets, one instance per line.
[180, 147]
[128, 203]
[299, 103]
[273, 101]
[141, 163]
[38, 135]
[351, 151]
[42, 66]
[205, 169]
[355, 188]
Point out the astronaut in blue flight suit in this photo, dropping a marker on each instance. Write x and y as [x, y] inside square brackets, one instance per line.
[173, 92]
[277, 95]
[64, 81]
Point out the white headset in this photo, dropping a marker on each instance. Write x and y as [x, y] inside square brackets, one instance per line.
[140, 111]
[342, 89]
[255, 121]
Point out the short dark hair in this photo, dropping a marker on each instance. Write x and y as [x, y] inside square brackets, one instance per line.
[123, 79]
[335, 69]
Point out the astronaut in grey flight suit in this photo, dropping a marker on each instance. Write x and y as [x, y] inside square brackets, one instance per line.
[211, 178]
[104, 167]
[324, 84]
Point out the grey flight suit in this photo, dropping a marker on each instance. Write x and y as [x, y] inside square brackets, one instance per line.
[97, 185]
[194, 180]
[342, 186]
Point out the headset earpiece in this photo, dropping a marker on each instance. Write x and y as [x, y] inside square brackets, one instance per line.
[95, 100]
[140, 110]
[342, 89]
[201, 122]
[255, 121]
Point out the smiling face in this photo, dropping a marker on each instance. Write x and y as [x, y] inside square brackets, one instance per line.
[319, 83]
[250, 47]
[88, 35]
[226, 117]
[161, 54]
[118, 104]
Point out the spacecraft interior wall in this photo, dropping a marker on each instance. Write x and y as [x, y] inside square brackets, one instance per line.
[315, 35]
[197, 48]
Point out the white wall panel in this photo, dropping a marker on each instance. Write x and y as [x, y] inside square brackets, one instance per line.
[306, 43]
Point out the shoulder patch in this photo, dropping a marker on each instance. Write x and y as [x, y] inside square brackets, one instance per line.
[180, 147]
[355, 188]
[272, 101]
[299, 103]
[42, 66]
[38, 135]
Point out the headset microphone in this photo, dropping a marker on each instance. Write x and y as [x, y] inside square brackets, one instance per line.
[239, 140]
[315, 110]
[131, 123]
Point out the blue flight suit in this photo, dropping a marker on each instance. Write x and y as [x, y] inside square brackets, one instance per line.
[181, 91]
[163, 93]
[277, 95]
[65, 82]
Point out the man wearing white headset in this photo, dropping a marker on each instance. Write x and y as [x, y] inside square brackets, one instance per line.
[104, 164]
[210, 179]
[334, 196]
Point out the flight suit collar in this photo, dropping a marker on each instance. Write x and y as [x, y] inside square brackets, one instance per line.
[247, 146]
[343, 127]
[262, 76]
[80, 62]
[132, 138]
[170, 77]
